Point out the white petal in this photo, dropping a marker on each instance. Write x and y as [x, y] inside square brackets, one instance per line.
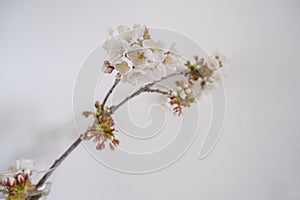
[27, 172]
[20, 178]
[123, 67]
[122, 28]
[11, 181]
[182, 95]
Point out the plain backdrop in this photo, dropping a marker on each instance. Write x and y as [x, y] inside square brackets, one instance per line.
[43, 44]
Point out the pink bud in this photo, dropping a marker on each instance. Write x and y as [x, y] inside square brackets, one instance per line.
[112, 148]
[86, 114]
[89, 135]
[191, 82]
[108, 69]
[20, 179]
[27, 172]
[4, 182]
[91, 128]
[100, 146]
[116, 142]
[101, 137]
[106, 63]
[103, 118]
[111, 123]
[97, 138]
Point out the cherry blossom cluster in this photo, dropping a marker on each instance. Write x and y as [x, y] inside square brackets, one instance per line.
[183, 97]
[142, 60]
[204, 74]
[103, 130]
[139, 58]
[19, 179]
[18, 183]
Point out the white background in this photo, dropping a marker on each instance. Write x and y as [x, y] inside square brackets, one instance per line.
[43, 44]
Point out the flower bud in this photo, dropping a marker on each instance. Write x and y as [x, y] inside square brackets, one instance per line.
[100, 146]
[112, 148]
[103, 118]
[106, 63]
[101, 137]
[116, 142]
[20, 179]
[91, 128]
[11, 181]
[97, 104]
[87, 113]
[118, 76]
[109, 69]
[4, 182]
[27, 173]
[111, 123]
[188, 91]
[182, 95]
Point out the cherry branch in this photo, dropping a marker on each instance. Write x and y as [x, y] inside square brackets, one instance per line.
[117, 80]
[157, 91]
[145, 88]
[59, 161]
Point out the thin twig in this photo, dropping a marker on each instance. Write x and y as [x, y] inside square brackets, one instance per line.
[157, 91]
[144, 89]
[117, 80]
[59, 161]
[139, 91]
[166, 77]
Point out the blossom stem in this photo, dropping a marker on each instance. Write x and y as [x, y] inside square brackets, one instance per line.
[60, 160]
[141, 90]
[157, 91]
[166, 77]
[117, 80]
[136, 93]
[145, 88]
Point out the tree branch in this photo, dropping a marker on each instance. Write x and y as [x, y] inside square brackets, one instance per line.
[60, 160]
[117, 80]
[114, 108]
[157, 91]
[145, 88]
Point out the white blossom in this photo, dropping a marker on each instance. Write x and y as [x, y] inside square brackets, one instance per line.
[218, 60]
[157, 48]
[171, 63]
[138, 57]
[27, 172]
[122, 29]
[203, 87]
[115, 47]
[134, 77]
[123, 67]
[173, 60]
